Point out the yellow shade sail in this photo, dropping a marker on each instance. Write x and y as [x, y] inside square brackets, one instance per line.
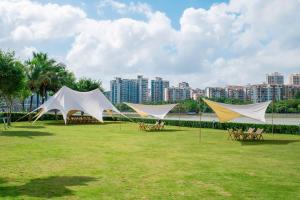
[227, 112]
[222, 113]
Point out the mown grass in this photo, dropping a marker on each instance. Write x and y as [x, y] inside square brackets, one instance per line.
[116, 161]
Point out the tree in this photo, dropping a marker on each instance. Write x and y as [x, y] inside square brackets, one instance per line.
[297, 96]
[87, 84]
[12, 79]
[23, 95]
[62, 77]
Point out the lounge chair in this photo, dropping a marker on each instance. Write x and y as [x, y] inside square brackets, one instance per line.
[154, 127]
[162, 126]
[257, 135]
[249, 133]
[230, 134]
[239, 134]
[142, 126]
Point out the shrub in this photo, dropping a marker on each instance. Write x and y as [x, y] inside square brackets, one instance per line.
[284, 129]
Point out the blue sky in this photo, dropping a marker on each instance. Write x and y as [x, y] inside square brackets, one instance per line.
[172, 8]
[217, 43]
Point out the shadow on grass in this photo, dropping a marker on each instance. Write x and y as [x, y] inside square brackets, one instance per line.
[268, 142]
[62, 123]
[165, 130]
[29, 126]
[55, 186]
[28, 134]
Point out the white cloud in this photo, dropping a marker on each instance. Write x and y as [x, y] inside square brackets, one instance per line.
[124, 9]
[29, 21]
[27, 52]
[229, 43]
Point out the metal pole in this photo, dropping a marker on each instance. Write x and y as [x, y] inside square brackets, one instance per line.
[200, 133]
[179, 115]
[273, 97]
[200, 115]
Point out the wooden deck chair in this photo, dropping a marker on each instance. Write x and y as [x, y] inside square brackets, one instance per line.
[154, 127]
[142, 126]
[238, 134]
[249, 133]
[230, 134]
[257, 135]
[162, 126]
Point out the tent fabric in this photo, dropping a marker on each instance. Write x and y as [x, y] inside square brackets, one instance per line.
[69, 101]
[157, 111]
[227, 112]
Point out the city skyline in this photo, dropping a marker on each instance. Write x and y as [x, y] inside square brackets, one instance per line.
[208, 43]
[138, 91]
[286, 80]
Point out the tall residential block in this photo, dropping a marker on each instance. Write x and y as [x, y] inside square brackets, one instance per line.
[174, 94]
[215, 92]
[294, 79]
[142, 89]
[275, 78]
[129, 90]
[236, 92]
[266, 92]
[157, 89]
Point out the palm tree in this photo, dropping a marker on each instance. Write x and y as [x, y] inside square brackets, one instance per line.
[39, 75]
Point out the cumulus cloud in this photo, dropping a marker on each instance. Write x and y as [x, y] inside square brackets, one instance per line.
[229, 43]
[124, 9]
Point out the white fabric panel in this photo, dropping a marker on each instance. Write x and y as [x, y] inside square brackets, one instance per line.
[255, 111]
[93, 103]
[157, 111]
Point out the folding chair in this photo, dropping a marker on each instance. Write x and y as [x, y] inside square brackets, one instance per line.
[230, 134]
[258, 134]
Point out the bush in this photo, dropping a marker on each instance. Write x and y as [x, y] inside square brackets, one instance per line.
[284, 129]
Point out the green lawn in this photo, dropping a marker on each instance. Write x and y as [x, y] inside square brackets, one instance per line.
[116, 161]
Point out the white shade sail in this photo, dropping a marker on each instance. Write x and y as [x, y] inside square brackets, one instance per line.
[227, 112]
[157, 111]
[69, 101]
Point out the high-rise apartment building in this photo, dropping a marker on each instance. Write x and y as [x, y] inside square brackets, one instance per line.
[157, 89]
[142, 89]
[129, 90]
[266, 92]
[236, 92]
[197, 93]
[294, 79]
[174, 94]
[215, 92]
[275, 78]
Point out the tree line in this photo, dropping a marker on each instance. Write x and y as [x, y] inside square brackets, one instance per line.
[38, 76]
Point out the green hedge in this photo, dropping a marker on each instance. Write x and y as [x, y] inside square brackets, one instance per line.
[284, 129]
[17, 115]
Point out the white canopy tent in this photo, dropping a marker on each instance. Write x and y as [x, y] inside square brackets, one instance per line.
[69, 101]
[157, 111]
[227, 112]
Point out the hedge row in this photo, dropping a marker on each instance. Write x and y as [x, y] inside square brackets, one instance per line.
[284, 129]
[20, 116]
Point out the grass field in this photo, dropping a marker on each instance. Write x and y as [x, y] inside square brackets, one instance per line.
[116, 161]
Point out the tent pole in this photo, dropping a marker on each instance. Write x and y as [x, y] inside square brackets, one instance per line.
[179, 116]
[200, 133]
[200, 118]
[273, 97]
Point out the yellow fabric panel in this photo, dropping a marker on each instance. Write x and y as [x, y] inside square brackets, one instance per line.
[222, 113]
[141, 113]
[109, 112]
